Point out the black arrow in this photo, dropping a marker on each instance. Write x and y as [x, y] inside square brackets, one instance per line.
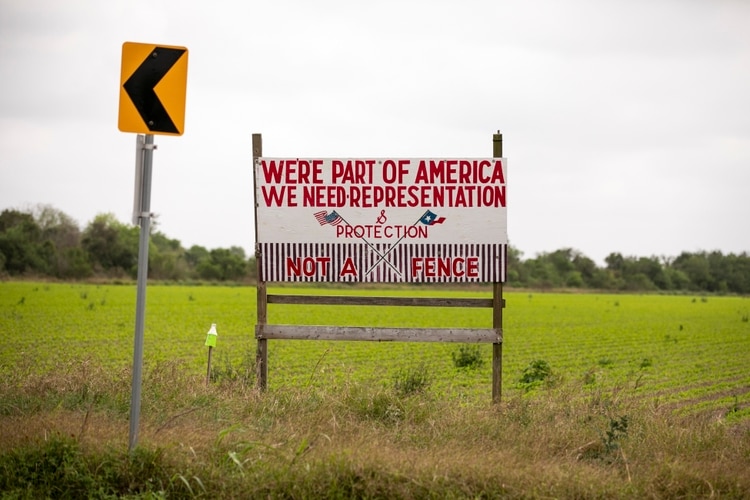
[140, 88]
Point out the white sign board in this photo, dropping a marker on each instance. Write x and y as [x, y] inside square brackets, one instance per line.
[381, 219]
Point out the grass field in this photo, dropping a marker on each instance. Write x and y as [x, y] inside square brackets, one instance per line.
[682, 350]
[661, 370]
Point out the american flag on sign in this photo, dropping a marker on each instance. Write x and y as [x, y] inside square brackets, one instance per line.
[324, 218]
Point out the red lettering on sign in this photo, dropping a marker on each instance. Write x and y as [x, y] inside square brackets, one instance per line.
[349, 268]
[445, 267]
[272, 170]
[307, 266]
[293, 171]
[279, 196]
[395, 172]
[352, 171]
[324, 196]
[460, 172]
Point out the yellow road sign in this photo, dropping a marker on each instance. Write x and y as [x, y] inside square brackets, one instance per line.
[153, 84]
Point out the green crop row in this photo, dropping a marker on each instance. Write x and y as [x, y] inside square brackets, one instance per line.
[669, 348]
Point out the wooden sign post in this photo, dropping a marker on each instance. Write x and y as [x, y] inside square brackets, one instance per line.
[384, 220]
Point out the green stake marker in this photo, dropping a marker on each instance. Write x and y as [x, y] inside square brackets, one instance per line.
[211, 337]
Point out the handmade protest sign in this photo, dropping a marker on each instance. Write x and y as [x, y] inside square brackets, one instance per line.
[382, 219]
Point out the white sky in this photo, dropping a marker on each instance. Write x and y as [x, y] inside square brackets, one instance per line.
[626, 123]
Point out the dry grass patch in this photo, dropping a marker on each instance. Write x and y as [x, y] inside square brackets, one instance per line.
[228, 440]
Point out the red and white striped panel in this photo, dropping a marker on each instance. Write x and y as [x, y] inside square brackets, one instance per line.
[383, 262]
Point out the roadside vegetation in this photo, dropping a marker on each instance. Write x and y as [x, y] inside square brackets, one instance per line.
[44, 242]
[64, 435]
[604, 396]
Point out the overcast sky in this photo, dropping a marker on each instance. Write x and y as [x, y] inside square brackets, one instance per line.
[626, 124]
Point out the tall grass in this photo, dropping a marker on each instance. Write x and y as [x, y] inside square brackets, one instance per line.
[64, 434]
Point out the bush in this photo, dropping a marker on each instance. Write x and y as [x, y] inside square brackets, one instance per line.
[538, 371]
[467, 356]
[58, 468]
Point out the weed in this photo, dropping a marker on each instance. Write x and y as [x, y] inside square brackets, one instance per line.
[412, 380]
[645, 363]
[589, 377]
[57, 467]
[381, 406]
[608, 446]
[606, 361]
[244, 373]
[618, 430]
[53, 468]
[467, 356]
[186, 482]
[638, 380]
[536, 372]
[735, 407]
[146, 470]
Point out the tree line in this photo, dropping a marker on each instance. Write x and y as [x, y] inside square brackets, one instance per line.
[702, 271]
[45, 242]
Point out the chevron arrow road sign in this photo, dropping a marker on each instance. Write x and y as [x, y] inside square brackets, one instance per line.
[153, 81]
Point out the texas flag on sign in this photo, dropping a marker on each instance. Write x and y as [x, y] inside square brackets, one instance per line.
[430, 218]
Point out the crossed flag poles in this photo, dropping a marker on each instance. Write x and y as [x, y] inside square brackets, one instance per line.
[334, 218]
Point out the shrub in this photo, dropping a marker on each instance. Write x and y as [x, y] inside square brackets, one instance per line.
[467, 356]
[536, 372]
[58, 468]
[618, 430]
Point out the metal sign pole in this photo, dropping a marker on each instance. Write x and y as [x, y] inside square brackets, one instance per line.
[145, 149]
